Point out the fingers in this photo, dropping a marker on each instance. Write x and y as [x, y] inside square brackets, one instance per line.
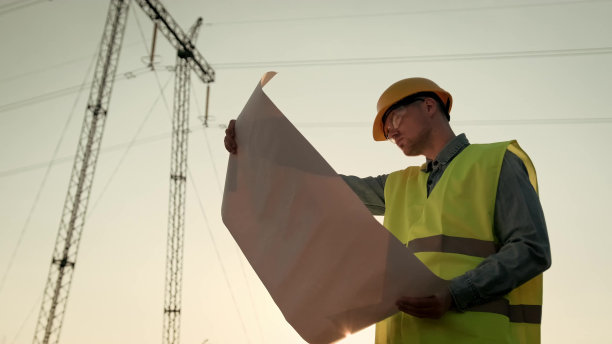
[231, 126]
[434, 306]
[230, 145]
[420, 313]
[230, 137]
[422, 308]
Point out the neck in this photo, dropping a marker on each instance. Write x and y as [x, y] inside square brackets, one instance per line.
[440, 138]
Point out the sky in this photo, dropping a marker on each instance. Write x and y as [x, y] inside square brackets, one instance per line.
[535, 71]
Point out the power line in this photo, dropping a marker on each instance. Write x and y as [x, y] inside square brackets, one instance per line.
[142, 37]
[214, 245]
[212, 160]
[419, 58]
[537, 121]
[44, 180]
[65, 91]
[44, 69]
[8, 5]
[605, 119]
[34, 306]
[238, 253]
[129, 146]
[341, 61]
[55, 66]
[65, 159]
[40, 98]
[17, 5]
[475, 122]
[400, 14]
[356, 16]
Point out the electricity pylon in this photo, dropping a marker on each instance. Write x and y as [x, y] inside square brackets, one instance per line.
[178, 180]
[55, 296]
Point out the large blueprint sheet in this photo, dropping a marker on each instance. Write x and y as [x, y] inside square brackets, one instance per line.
[331, 268]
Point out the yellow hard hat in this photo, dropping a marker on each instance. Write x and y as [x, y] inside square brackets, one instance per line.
[402, 89]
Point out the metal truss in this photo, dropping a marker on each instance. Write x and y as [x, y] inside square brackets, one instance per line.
[179, 40]
[55, 296]
[178, 180]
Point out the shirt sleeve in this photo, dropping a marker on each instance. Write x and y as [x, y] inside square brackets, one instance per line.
[371, 191]
[521, 230]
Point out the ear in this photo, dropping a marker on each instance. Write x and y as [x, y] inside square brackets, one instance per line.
[431, 106]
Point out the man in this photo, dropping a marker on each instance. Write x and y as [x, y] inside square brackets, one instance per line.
[471, 213]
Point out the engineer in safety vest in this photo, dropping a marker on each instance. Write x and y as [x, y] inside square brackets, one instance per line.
[470, 213]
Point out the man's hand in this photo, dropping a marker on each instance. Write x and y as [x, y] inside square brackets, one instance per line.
[230, 137]
[433, 306]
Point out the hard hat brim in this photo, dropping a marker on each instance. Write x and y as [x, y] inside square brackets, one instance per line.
[377, 130]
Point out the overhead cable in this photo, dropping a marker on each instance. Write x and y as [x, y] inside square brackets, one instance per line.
[214, 245]
[476, 122]
[403, 13]
[43, 182]
[238, 252]
[140, 30]
[340, 61]
[536, 121]
[17, 5]
[70, 158]
[27, 318]
[66, 91]
[210, 154]
[44, 69]
[129, 146]
[321, 125]
[418, 58]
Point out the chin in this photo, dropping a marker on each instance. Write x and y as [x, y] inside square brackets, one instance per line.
[406, 150]
[409, 151]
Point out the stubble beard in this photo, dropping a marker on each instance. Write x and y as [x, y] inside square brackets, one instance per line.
[416, 146]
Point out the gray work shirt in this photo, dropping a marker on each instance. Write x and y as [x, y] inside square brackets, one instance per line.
[519, 227]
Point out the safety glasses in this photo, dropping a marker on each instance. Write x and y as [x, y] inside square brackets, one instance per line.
[394, 116]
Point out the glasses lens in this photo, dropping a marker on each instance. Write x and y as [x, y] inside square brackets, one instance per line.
[393, 120]
[388, 124]
[395, 114]
[396, 120]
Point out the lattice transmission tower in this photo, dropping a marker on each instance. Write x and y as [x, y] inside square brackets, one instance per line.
[178, 181]
[57, 288]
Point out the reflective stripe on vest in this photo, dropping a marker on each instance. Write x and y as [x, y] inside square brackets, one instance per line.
[450, 244]
[531, 314]
[451, 232]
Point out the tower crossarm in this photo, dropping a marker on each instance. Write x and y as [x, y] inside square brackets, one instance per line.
[178, 38]
[194, 30]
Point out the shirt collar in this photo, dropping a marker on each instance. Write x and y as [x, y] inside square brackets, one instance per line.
[451, 150]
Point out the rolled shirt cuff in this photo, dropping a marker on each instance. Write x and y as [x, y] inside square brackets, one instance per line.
[463, 292]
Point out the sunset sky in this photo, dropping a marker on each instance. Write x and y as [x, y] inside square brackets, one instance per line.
[536, 71]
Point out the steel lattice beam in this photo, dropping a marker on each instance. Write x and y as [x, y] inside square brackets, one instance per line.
[57, 288]
[178, 180]
[176, 213]
[177, 37]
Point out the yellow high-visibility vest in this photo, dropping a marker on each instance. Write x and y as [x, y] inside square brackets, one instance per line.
[451, 232]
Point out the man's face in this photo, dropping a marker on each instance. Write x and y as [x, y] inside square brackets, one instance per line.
[409, 127]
